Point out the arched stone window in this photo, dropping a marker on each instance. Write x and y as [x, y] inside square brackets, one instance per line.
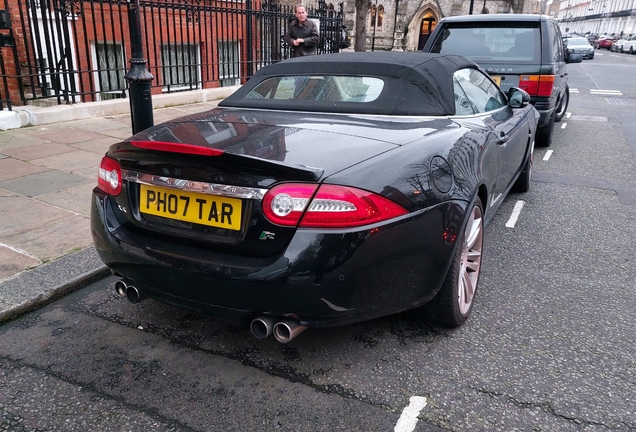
[377, 16]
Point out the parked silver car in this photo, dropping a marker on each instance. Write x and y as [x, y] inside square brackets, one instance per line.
[629, 46]
[579, 45]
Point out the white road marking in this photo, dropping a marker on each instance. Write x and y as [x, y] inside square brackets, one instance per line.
[606, 92]
[547, 155]
[574, 90]
[515, 214]
[568, 115]
[408, 419]
[563, 126]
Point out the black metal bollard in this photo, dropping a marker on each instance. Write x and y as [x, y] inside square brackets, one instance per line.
[138, 76]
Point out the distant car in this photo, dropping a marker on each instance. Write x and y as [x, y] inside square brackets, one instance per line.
[333, 38]
[579, 45]
[591, 37]
[517, 50]
[617, 46]
[629, 46]
[327, 190]
[604, 42]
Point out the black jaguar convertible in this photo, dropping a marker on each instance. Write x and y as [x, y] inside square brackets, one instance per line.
[327, 190]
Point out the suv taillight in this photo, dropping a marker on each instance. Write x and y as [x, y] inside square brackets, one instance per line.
[327, 206]
[537, 85]
[109, 176]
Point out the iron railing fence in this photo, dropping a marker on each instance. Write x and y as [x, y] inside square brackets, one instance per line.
[70, 51]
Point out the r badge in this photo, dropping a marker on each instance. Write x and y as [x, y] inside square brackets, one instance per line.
[267, 235]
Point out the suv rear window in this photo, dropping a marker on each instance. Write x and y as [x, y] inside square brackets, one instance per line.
[491, 41]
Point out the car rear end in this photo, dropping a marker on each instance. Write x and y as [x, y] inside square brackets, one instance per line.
[224, 215]
[512, 49]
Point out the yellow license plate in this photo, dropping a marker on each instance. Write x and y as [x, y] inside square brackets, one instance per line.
[496, 79]
[216, 211]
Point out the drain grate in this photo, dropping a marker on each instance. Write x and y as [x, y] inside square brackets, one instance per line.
[621, 101]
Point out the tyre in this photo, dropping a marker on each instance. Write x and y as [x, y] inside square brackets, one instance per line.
[563, 105]
[523, 182]
[544, 134]
[454, 302]
[631, 50]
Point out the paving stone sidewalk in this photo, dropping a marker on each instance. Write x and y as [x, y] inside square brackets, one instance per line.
[47, 174]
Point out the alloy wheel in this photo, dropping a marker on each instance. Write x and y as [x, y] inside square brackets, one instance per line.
[470, 260]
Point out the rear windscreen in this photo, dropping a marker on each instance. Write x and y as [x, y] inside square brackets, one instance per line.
[496, 42]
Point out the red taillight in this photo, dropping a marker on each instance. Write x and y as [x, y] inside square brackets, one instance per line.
[331, 206]
[109, 176]
[537, 85]
[177, 148]
[284, 204]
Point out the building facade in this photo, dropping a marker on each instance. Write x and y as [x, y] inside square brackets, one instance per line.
[611, 17]
[405, 25]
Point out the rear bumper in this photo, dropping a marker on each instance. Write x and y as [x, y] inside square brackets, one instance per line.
[546, 111]
[323, 278]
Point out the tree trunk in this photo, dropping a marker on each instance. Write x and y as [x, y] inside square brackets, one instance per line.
[362, 10]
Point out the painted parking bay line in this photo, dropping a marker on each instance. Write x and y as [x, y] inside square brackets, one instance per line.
[606, 92]
[564, 125]
[547, 155]
[408, 419]
[516, 211]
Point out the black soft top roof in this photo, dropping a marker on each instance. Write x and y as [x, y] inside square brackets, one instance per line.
[416, 83]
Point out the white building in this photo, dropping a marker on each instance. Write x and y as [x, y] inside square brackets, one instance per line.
[612, 17]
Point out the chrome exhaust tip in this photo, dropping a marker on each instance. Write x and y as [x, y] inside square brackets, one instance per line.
[134, 295]
[287, 329]
[120, 288]
[262, 326]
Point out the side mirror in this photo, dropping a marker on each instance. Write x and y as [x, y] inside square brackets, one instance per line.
[574, 58]
[518, 98]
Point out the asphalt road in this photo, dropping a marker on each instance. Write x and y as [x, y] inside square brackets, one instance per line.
[551, 344]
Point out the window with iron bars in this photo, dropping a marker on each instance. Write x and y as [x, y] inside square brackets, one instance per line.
[229, 63]
[110, 81]
[180, 66]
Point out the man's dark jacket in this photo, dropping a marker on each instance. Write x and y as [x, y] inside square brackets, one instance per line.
[307, 31]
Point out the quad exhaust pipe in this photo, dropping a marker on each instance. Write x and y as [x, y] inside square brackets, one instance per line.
[284, 330]
[125, 288]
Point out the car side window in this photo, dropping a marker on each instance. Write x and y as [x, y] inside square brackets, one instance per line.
[483, 94]
[557, 43]
[463, 106]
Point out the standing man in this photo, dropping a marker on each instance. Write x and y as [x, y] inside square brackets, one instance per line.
[302, 35]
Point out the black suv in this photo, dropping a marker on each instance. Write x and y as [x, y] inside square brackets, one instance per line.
[517, 50]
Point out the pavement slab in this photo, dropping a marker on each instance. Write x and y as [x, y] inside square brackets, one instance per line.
[76, 199]
[99, 146]
[18, 139]
[71, 162]
[12, 168]
[74, 135]
[45, 183]
[122, 133]
[19, 214]
[54, 239]
[37, 151]
[12, 261]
